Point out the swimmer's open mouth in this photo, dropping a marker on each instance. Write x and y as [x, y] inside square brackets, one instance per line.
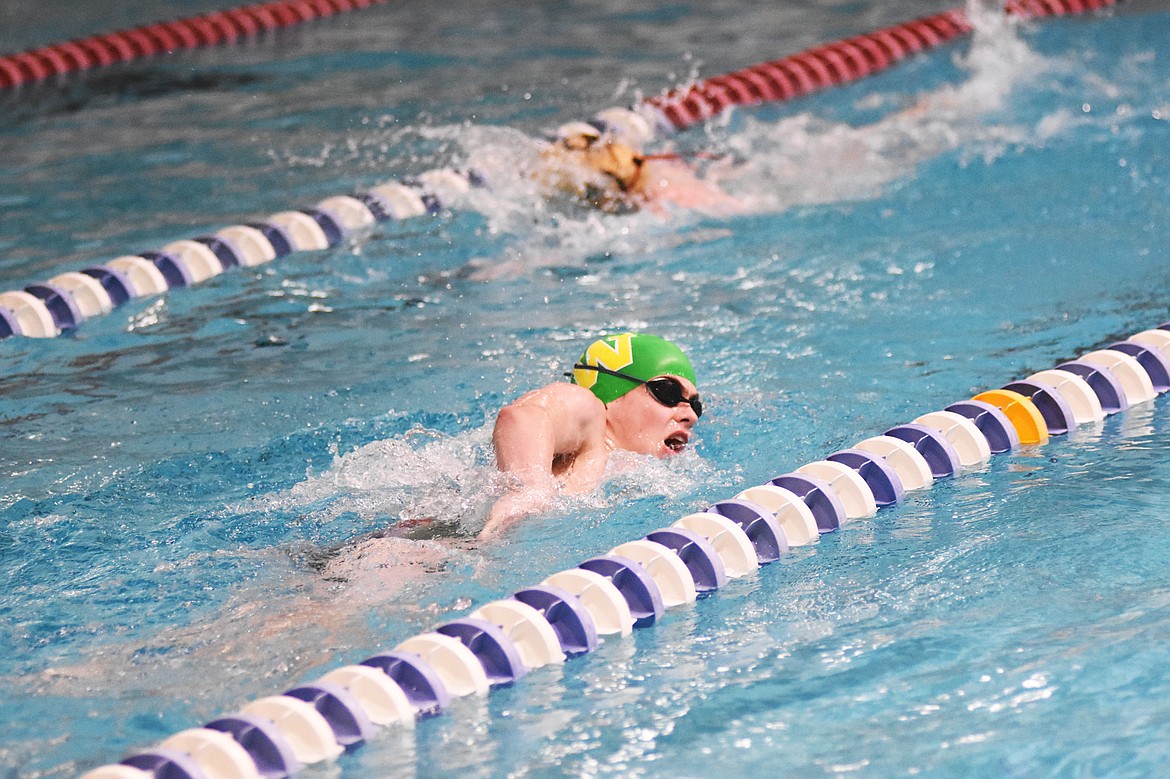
[676, 443]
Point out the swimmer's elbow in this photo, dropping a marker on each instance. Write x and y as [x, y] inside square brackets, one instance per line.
[522, 443]
[509, 418]
[516, 424]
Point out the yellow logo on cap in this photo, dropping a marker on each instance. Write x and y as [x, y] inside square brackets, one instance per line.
[614, 352]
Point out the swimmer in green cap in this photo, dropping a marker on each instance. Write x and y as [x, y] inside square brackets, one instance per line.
[631, 391]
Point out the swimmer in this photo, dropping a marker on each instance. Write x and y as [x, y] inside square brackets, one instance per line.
[602, 170]
[631, 392]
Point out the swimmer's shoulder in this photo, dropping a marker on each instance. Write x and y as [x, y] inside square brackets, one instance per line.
[563, 395]
[575, 414]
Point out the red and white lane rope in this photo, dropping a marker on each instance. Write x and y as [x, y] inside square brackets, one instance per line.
[191, 33]
[836, 63]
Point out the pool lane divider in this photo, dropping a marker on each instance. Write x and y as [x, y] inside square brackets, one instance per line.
[218, 27]
[49, 309]
[631, 586]
[64, 302]
[836, 63]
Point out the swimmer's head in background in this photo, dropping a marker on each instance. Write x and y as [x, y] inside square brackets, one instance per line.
[577, 136]
[628, 126]
[622, 126]
[637, 355]
[600, 150]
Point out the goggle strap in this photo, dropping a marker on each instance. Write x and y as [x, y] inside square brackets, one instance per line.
[692, 402]
[606, 371]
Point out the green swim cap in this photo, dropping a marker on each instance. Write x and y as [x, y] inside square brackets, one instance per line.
[637, 355]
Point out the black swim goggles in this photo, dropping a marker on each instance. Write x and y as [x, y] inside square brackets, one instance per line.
[666, 390]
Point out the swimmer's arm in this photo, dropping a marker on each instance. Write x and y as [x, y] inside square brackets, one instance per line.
[668, 181]
[558, 422]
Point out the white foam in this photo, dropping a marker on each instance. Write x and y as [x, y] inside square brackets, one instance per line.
[422, 474]
[807, 160]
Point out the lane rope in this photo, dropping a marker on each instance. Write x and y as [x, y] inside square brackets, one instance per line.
[64, 302]
[836, 63]
[228, 26]
[569, 613]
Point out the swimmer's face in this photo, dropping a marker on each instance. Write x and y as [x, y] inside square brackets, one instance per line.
[644, 425]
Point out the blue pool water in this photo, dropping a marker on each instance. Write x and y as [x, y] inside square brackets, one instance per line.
[171, 471]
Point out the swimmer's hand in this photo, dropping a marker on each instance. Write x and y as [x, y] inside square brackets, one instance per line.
[515, 506]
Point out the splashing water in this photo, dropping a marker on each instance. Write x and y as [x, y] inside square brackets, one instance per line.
[769, 166]
[806, 160]
[422, 474]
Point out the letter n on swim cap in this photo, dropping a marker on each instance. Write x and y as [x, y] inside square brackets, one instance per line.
[639, 356]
